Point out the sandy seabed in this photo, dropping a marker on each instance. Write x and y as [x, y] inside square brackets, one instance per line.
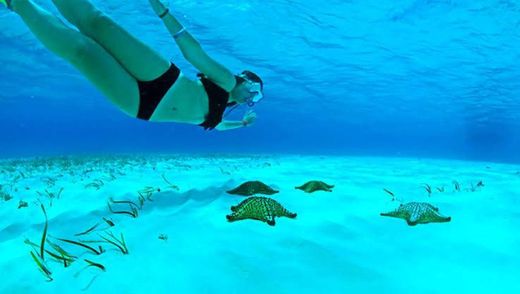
[180, 241]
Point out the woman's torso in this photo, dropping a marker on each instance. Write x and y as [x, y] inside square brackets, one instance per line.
[186, 102]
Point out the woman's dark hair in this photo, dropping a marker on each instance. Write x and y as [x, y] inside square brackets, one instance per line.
[252, 77]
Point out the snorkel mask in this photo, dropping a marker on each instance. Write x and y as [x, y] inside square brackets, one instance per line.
[254, 89]
[251, 87]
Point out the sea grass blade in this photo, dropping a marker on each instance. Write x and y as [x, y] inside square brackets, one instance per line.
[81, 245]
[109, 222]
[123, 243]
[132, 213]
[147, 189]
[166, 180]
[98, 265]
[141, 200]
[116, 242]
[131, 203]
[388, 191]
[61, 258]
[59, 193]
[34, 245]
[42, 267]
[89, 284]
[44, 236]
[88, 231]
[61, 250]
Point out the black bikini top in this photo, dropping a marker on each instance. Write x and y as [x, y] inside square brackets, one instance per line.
[218, 101]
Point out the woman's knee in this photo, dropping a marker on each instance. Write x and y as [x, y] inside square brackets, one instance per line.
[82, 14]
[79, 51]
[95, 24]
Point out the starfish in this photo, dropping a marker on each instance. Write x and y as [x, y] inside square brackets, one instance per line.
[259, 208]
[418, 213]
[251, 188]
[313, 186]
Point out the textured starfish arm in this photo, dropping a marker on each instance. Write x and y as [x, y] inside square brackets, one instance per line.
[251, 188]
[259, 208]
[391, 214]
[313, 186]
[418, 213]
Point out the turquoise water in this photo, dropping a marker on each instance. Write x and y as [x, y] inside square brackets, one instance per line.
[428, 78]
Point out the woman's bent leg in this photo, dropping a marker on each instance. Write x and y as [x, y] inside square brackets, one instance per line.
[144, 63]
[97, 65]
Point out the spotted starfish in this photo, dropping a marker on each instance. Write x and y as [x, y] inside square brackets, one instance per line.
[259, 208]
[313, 186]
[418, 213]
[252, 188]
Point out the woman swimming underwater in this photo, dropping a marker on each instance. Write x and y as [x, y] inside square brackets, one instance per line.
[133, 76]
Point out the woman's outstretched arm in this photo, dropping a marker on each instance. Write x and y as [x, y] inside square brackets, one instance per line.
[192, 50]
[249, 119]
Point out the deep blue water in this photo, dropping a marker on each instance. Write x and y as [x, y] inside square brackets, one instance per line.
[435, 78]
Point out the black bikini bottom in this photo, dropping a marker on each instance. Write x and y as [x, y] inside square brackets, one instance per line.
[152, 92]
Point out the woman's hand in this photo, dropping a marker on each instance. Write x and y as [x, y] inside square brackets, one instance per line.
[158, 6]
[249, 118]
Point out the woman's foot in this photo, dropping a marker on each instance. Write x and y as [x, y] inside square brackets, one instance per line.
[7, 3]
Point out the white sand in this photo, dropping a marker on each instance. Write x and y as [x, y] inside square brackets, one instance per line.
[337, 244]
